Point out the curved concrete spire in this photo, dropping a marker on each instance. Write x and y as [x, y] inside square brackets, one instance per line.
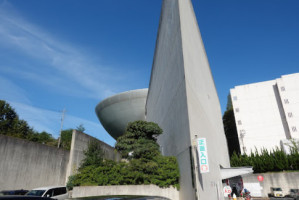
[183, 100]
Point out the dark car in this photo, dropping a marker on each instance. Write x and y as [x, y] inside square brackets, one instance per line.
[22, 197]
[294, 193]
[13, 192]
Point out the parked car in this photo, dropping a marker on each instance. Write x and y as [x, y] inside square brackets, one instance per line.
[294, 193]
[55, 192]
[13, 192]
[276, 192]
[23, 197]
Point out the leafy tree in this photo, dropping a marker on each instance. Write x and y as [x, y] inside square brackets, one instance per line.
[44, 138]
[93, 155]
[144, 165]
[265, 161]
[229, 104]
[280, 160]
[8, 118]
[230, 129]
[80, 128]
[139, 140]
[10, 124]
[66, 139]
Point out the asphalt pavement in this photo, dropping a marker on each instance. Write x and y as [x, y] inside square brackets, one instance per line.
[273, 198]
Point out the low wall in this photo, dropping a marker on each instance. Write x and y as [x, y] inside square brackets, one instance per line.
[27, 165]
[284, 180]
[139, 190]
[80, 143]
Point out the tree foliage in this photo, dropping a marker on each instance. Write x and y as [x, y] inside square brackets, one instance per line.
[139, 140]
[80, 128]
[144, 164]
[66, 139]
[93, 155]
[230, 128]
[265, 161]
[11, 125]
[43, 137]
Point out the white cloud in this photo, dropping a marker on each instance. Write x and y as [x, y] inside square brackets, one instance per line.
[37, 59]
[54, 59]
[41, 119]
[12, 92]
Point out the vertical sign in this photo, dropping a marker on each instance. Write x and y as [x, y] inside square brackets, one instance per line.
[203, 155]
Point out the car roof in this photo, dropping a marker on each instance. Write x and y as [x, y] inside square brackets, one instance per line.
[21, 197]
[48, 187]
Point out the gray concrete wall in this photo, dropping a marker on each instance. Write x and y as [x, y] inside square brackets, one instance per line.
[142, 190]
[27, 165]
[167, 101]
[204, 111]
[183, 100]
[80, 143]
[284, 180]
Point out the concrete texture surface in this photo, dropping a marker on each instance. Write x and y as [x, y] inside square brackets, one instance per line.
[266, 113]
[183, 100]
[80, 143]
[117, 111]
[284, 180]
[27, 165]
[142, 190]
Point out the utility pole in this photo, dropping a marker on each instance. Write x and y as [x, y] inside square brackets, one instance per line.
[62, 118]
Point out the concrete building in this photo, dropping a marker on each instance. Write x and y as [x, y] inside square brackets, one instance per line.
[267, 113]
[117, 111]
[183, 100]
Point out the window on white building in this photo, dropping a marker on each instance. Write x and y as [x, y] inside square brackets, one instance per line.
[294, 129]
[290, 114]
[235, 98]
[286, 101]
[282, 88]
[237, 109]
[239, 122]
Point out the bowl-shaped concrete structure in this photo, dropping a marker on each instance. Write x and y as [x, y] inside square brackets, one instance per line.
[117, 111]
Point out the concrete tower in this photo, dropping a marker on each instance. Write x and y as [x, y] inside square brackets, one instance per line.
[182, 99]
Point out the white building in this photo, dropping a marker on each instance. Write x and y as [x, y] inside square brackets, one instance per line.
[266, 112]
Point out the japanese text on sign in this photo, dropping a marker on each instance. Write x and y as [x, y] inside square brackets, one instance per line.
[203, 155]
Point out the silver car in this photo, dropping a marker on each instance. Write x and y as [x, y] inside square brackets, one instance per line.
[55, 192]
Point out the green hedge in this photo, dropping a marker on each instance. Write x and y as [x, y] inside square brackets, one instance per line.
[265, 161]
[144, 163]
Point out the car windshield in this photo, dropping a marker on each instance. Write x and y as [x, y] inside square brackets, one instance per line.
[277, 189]
[36, 192]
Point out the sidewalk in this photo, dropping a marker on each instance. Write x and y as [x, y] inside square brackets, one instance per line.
[253, 198]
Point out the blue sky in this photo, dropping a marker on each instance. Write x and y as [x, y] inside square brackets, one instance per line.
[72, 54]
